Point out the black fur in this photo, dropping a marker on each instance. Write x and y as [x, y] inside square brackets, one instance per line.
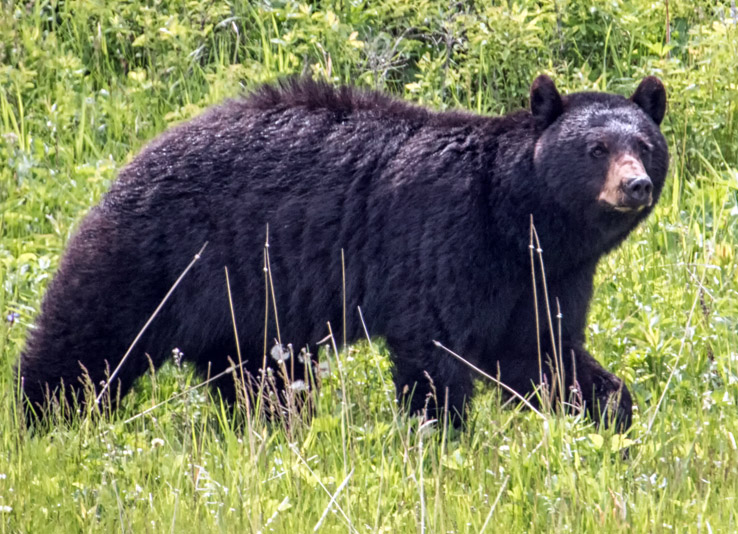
[432, 212]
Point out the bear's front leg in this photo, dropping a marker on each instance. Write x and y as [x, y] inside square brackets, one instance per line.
[585, 382]
[601, 393]
[572, 379]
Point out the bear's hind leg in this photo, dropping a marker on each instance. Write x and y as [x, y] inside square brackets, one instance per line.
[437, 386]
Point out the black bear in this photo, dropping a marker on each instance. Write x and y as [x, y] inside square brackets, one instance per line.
[426, 214]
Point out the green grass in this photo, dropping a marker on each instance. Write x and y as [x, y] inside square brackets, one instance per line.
[84, 84]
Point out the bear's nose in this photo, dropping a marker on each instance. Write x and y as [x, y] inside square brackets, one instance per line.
[638, 190]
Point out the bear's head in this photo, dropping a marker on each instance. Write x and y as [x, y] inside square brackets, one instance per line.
[602, 157]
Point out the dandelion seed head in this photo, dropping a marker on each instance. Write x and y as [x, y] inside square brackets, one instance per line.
[298, 385]
[279, 353]
[10, 138]
[177, 355]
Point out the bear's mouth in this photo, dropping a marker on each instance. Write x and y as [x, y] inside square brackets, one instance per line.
[629, 209]
[623, 206]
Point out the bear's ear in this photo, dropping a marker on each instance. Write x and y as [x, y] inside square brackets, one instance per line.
[545, 102]
[651, 98]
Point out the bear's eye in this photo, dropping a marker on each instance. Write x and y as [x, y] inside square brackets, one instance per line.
[644, 147]
[598, 151]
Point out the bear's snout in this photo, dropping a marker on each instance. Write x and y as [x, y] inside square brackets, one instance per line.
[638, 191]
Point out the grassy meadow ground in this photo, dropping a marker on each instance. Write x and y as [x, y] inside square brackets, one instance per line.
[84, 84]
